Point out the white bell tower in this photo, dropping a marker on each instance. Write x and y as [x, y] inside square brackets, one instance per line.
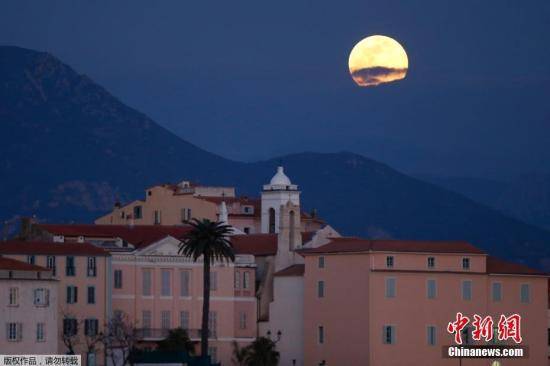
[276, 195]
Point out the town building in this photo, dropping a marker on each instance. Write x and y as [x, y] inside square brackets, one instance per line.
[28, 311]
[384, 302]
[159, 290]
[176, 204]
[83, 275]
[323, 298]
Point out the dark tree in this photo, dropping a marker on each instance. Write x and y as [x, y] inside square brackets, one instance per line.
[207, 239]
[177, 340]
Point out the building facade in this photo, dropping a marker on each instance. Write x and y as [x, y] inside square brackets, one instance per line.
[28, 311]
[175, 204]
[390, 301]
[161, 290]
[83, 275]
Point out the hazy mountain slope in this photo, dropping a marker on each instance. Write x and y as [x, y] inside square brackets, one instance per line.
[68, 148]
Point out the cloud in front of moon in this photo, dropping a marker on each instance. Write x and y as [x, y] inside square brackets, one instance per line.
[376, 60]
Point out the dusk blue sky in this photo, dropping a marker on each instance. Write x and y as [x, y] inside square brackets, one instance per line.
[252, 80]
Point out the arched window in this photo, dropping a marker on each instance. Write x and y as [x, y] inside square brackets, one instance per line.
[271, 220]
[291, 238]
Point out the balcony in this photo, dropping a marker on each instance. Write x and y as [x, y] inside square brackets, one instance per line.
[157, 334]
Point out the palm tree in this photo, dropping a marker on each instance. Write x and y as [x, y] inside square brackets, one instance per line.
[209, 240]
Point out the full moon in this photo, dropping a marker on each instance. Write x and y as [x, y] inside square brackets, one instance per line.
[376, 60]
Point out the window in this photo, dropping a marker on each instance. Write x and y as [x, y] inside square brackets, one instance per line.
[91, 295]
[184, 283]
[184, 319]
[118, 278]
[431, 262]
[50, 263]
[166, 288]
[321, 334]
[430, 334]
[246, 280]
[40, 337]
[41, 297]
[157, 217]
[72, 294]
[92, 270]
[237, 280]
[242, 320]
[138, 213]
[146, 282]
[388, 334]
[321, 289]
[70, 327]
[165, 319]
[146, 322]
[91, 327]
[14, 296]
[213, 353]
[321, 263]
[246, 230]
[431, 289]
[185, 214]
[15, 332]
[70, 269]
[497, 291]
[389, 261]
[271, 213]
[31, 259]
[390, 287]
[213, 281]
[525, 293]
[465, 263]
[467, 290]
[212, 323]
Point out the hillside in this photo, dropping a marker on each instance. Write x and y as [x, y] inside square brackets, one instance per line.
[70, 149]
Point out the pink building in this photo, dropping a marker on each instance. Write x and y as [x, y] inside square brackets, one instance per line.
[83, 272]
[382, 302]
[28, 311]
[161, 290]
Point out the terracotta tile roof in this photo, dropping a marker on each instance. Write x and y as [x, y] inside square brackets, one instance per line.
[498, 266]
[260, 244]
[343, 245]
[138, 235]
[15, 265]
[48, 247]
[292, 271]
[256, 244]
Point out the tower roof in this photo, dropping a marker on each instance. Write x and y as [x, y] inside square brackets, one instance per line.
[280, 178]
[280, 182]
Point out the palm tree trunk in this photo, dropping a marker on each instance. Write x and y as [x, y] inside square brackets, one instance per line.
[205, 307]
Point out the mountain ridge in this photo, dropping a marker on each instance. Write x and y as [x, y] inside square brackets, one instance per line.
[70, 149]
